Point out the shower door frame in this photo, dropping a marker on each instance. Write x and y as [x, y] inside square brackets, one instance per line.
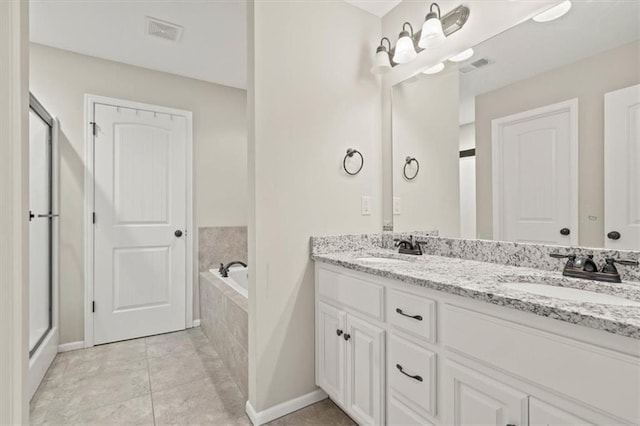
[43, 353]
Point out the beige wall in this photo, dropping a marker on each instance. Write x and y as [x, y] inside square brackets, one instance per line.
[425, 126]
[588, 80]
[14, 198]
[60, 79]
[311, 97]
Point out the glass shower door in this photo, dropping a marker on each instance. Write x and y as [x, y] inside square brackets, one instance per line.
[40, 228]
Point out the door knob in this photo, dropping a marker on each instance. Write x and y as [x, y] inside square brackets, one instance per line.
[614, 235]
[339, 332]
[178, 233]
[565, 231]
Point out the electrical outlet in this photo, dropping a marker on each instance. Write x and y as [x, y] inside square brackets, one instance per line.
[366, 206]
[397, 206]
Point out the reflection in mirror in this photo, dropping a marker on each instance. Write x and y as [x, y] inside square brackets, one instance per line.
[533, 138]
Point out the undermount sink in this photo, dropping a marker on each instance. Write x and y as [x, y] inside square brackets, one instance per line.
[573, 294]
[380, 260]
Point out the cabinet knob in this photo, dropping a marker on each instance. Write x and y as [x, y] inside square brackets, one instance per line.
[563, 231]
[510, 424]
[339, 332]
[346, 336]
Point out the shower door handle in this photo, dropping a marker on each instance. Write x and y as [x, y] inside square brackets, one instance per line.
[48, 215]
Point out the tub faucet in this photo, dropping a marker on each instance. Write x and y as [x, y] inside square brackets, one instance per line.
[224, 270]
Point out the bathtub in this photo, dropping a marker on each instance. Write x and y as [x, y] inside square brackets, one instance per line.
[238, 279]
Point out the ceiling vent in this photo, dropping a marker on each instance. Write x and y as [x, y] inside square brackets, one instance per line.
[476, 65]
[163, 29]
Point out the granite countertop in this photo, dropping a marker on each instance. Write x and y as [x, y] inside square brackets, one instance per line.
[485, 282]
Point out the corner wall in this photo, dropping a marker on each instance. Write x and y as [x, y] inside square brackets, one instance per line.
[60, 79]
[14, 197]
[311, 97]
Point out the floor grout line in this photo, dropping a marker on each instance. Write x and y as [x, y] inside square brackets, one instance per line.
[146, 353]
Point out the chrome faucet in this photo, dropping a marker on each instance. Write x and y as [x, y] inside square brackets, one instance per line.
[585, 267]
[224, 270]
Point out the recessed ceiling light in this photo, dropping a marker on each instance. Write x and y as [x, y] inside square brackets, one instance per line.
[554, 13]
[434, 69]
[462, 56]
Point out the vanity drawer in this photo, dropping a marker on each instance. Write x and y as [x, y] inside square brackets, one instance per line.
[360, 295]
[412, 374]
[413, 314]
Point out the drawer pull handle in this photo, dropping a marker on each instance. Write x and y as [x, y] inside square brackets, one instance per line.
[415, 317]
[339, 332]
[399, 367]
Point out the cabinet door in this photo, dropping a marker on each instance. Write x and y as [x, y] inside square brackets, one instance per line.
[365, 372]
[474, 399]
[330, 356]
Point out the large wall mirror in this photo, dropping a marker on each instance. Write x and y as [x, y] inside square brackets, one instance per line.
[533, 138]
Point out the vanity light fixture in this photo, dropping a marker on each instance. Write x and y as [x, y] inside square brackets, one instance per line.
[434, 69]
[405, 50]
[462, 56]
[382, 63]
[554, 13]
[432, 33]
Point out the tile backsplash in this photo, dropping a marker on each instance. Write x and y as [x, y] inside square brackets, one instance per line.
[221, 244]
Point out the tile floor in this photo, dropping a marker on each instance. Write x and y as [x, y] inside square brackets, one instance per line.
[176, 378]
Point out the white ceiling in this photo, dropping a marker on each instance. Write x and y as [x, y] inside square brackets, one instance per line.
[531, 48]
[213, 45]
[376, 7]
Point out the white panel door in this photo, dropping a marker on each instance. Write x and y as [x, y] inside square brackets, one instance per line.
[140, 203]
[535, 176]
[473, 399]
[622, 168]
[365, 372]
[331, 351]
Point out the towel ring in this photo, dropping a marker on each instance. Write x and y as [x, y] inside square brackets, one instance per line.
[350, 153]
[408, 161]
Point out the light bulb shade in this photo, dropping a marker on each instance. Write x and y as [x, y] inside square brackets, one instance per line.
[554, 13]
[432, 35]
[381, 63]
[405, 51]
[462, 56]
[434, 69]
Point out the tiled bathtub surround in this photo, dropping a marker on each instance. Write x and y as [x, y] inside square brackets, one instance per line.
[501, 252]
[221, 244]
[225, 320]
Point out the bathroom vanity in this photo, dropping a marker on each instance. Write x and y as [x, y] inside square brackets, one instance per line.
[432, 340]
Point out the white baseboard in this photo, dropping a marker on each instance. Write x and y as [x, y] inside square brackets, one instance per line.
[71, 346]
[196, 323]
[287, 407]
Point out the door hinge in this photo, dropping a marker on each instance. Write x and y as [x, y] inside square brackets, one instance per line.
[94, 128]
[93, 217]
[93, 306]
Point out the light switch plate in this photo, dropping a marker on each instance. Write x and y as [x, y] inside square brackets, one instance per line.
[397, 206]
[366, 206]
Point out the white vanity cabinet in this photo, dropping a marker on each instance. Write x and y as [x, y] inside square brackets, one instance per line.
[350, 347]
[389, 352]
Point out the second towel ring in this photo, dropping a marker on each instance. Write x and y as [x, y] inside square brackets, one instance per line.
[350, 153]
[408, 161]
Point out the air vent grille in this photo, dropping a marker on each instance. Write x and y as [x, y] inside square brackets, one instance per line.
[475, 65]
[163, 29]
